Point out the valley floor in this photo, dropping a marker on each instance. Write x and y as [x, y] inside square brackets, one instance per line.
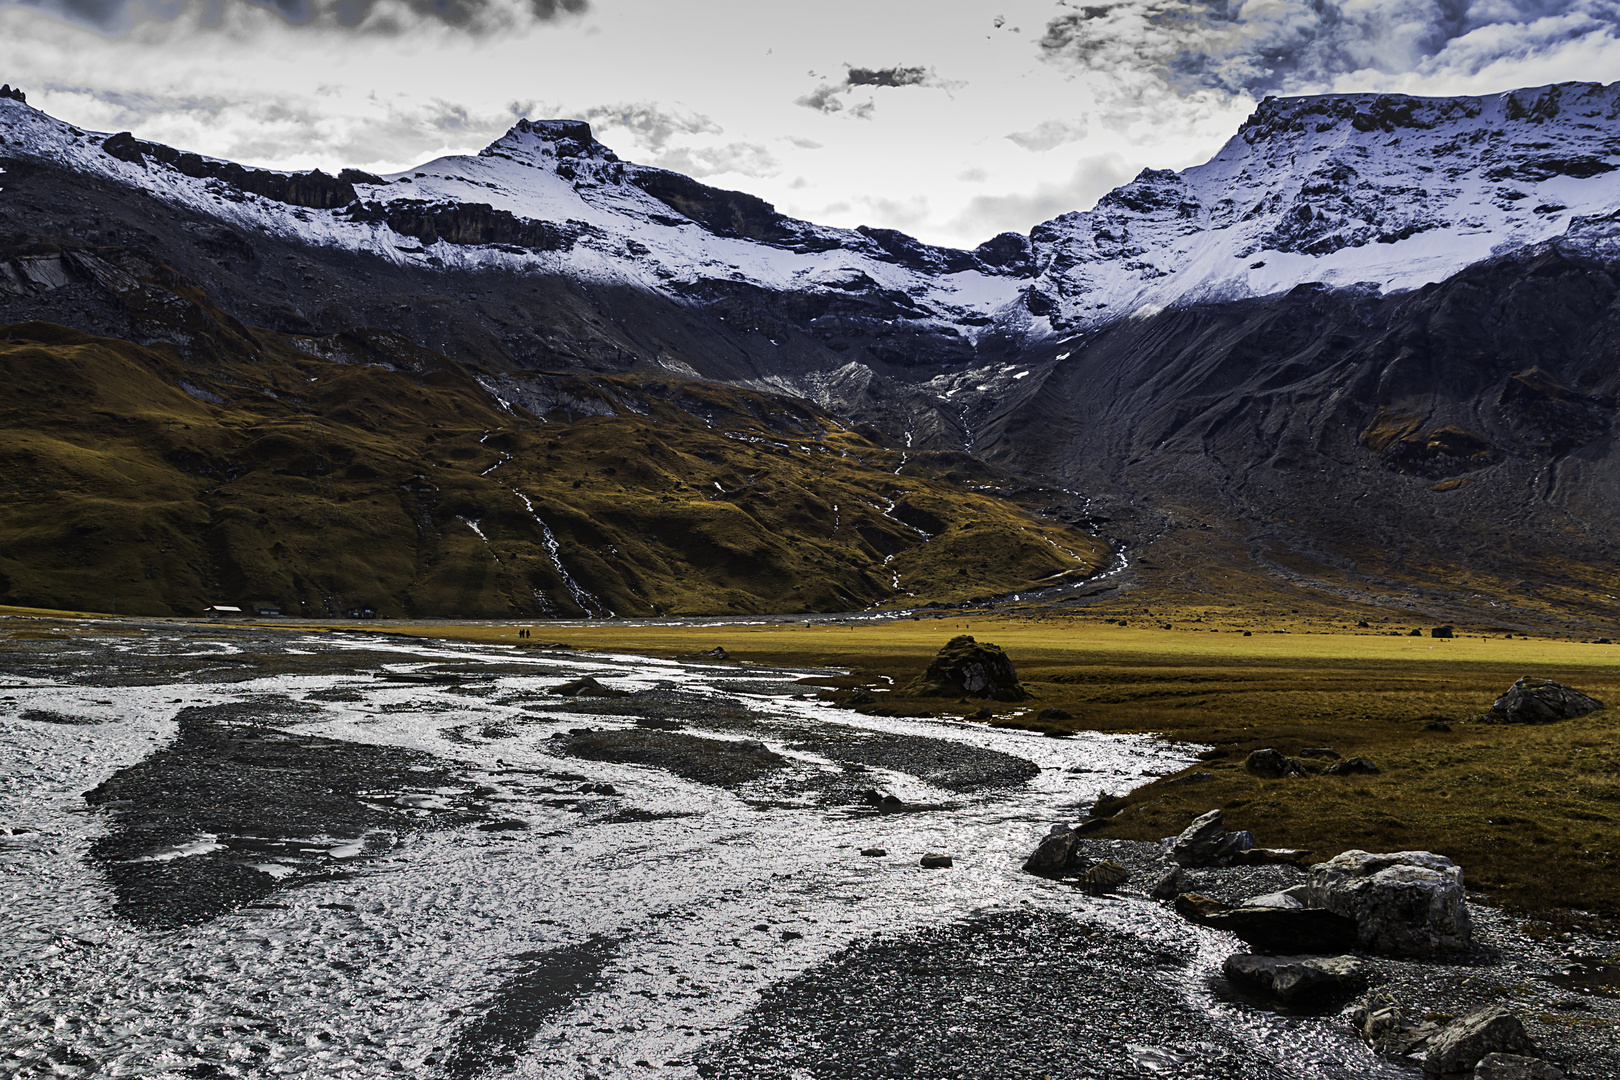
[259, 850]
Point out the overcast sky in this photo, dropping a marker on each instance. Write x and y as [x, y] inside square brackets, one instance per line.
[951, 120]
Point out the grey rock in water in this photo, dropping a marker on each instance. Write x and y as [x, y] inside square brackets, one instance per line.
[1055, 855]
[1170, 885]
[1540, 701]
[1380, 1019]
[587, 687]
[933, 861]
[1106, 876]
[1207, 843]
[1404, 903]
[1298, 980]
[1463, 1043]
[1515, 1067]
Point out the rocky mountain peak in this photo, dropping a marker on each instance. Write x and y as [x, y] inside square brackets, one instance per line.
[1342, 189]
[549, 139]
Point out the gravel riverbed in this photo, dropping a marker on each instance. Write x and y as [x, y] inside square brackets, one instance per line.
[227, 851]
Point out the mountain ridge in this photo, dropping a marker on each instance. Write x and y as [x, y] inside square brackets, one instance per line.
[1366, 428]
[1504, 169]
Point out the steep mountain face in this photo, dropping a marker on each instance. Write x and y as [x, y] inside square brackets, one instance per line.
[1370, 342]
[1394, 192]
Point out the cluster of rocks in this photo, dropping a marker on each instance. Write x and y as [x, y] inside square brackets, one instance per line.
[1275, 765]
[1058, 857]
[1207, 843]
[1313, 946]
[14, 93]
[1489, 1043]
[1406, 903]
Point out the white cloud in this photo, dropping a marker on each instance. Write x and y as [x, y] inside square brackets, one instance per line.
[985, 216]
[1049, 134]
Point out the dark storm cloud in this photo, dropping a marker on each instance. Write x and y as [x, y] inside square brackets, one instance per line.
[890, 76]
[475, 16]
[829, 97]
[1269, 46]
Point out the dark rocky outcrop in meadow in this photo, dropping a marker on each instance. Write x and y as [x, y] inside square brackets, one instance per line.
[1533, 700]
[968, 668]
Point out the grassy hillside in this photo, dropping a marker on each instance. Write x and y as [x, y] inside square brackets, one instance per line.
[359, 471]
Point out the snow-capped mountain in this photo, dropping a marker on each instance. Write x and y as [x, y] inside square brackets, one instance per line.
[1381, 190]
[1388, 190]
[547, 198]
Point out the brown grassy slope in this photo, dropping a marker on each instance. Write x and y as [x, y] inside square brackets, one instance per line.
[307, 473]
[1531, 813]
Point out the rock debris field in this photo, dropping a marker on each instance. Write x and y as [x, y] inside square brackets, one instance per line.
[233, 852]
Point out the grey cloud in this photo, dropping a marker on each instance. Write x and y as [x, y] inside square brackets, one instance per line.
[1284, 46]
[1049, 134]
[988, 215]
[472, 16]
[890, 76]
[823, 98]
[272, 131]
[829, 97]
[648, 124]
[743, 158]
[663, 132]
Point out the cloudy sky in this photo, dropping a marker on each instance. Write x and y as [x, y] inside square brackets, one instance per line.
[951, 120]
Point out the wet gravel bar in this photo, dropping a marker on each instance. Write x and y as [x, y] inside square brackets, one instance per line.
[229, 851]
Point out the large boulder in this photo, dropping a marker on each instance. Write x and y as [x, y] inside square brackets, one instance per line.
[587, 687]
[1054, 856]
[968, 668]
[1207, 843]
[1404, 903]
[1286, 931]
[1298, 981]
[1463, 1043]
[1540, 701]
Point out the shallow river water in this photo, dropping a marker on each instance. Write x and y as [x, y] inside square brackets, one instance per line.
[488, 894]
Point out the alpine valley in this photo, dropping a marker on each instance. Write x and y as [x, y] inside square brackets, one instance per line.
[1368, 348]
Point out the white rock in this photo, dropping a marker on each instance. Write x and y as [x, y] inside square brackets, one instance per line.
[1405, 903]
